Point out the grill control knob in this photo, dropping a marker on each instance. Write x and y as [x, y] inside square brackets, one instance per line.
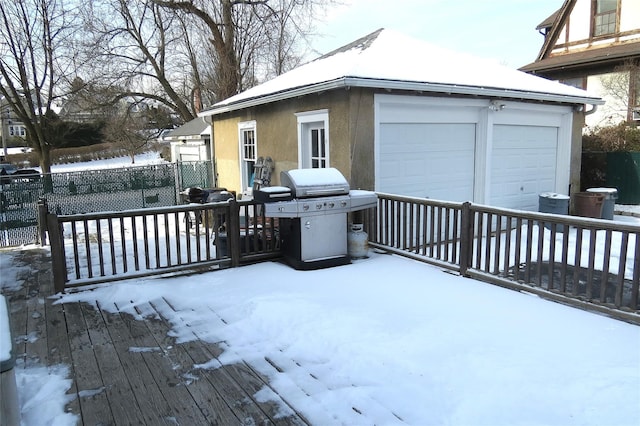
[305, 207]
[318, 206]
[331, 205]
[343, 203]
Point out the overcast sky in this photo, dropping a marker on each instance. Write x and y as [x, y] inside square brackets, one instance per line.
[504, 30]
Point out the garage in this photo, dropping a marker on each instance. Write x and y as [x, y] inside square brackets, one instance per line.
[472, 150]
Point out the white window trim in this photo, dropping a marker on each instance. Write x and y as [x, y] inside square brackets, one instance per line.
[242, 126]
[321, 115]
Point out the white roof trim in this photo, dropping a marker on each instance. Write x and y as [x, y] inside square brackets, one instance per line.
[345, 82]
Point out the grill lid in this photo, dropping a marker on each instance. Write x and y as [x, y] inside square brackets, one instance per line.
[306, 183]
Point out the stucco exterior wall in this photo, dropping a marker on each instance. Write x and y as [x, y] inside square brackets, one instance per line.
[350, 136]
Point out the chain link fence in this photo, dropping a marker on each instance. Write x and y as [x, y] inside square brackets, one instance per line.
[93, 191]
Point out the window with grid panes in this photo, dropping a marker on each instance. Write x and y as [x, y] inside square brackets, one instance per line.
[248, 153]
[318, 148]
[605, 17]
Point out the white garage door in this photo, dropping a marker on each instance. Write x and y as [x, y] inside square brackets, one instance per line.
[523, 164]
[434, 160]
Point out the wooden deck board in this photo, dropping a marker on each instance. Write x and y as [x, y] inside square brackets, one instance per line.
[126, 370]
[93, 404]
[238, 396]
[205, 393]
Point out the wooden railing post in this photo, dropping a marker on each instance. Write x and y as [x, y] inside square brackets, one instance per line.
[466, 237]
[233, 232]
[58, 260]
[43, 209]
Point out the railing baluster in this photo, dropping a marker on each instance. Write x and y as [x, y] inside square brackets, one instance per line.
[100, 250]
[134, 231]
[635, 284]
[552, 255]
[592, 260]
[622, 267]
[577, 261]
[156, 239]
[176, 224]
[447, 234]
[87, 246]
[198, 214]
[112, 248]
[518, 249]
[167, 238]
[507, 246]
[496, 251]
[528, 254]
[76, 256]
[487, 254]
[479, 238]
[455, 240]
[565, 259]
[604, 281]
[188, 236]
[123, 245]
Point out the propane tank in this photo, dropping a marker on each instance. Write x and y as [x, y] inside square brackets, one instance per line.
[357, 241]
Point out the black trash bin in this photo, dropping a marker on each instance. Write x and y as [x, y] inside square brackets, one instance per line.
[610, 197]
[551, 202]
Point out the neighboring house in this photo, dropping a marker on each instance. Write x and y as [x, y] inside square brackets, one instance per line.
[402, 116]
[595, 45]
[191, 141]
[10, 128]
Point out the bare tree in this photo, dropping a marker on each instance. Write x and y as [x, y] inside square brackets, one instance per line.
[623, 87]
[127, 130]
[134, 50]
[184, 54]
[250, 40]
[31, 47]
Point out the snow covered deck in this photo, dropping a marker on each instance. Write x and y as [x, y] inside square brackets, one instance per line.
[126, 371]
[385, 340]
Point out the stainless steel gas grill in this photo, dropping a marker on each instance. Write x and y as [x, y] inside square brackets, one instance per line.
[313, 215]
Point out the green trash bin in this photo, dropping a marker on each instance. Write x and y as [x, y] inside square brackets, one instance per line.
[588, 204]
[610, 197]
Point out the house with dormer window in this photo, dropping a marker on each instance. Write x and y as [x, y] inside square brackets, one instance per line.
[595, 45]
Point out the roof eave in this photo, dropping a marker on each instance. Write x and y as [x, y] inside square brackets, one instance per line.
[373, 83]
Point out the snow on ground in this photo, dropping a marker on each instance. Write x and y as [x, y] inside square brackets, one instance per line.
[391, 335]
[119, 162]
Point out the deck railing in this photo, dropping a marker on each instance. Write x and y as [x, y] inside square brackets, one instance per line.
[107, 246]
[591, 263]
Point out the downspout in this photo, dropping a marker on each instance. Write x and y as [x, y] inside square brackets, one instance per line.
[592, 110]
[214, 169]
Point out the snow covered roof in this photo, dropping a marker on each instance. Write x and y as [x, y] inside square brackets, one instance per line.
[196, 127]
[390, 60]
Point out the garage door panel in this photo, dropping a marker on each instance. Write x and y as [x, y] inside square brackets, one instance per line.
[523, 164]
[427, 160]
